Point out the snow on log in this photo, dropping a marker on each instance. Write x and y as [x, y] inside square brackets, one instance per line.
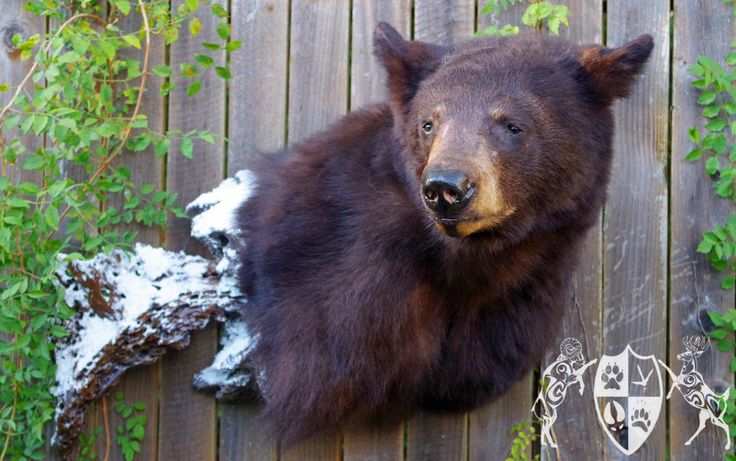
[131, 308]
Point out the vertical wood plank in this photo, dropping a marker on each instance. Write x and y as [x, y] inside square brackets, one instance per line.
[432, 436]
[636, 215]
[318, 95]
[367, 85]
[15, 20]
[577, 429]
[367, 77]
[694, 285]
[444, 21]
[188, 421]
[140, 384]
[257, 120]
[318, 73]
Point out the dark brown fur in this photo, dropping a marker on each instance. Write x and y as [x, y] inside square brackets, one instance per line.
[365, 304]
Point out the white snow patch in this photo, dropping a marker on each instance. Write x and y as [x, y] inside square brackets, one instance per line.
[150, 276]
[220, 206]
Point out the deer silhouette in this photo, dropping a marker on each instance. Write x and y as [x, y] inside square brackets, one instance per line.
[695, 391]
[565, 371]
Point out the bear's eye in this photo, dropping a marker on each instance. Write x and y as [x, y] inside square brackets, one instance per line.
[513, 129]
[427, 127]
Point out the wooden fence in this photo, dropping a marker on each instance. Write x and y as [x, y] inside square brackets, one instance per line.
[307, 62]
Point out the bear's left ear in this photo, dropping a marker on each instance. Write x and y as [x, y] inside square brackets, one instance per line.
[610, 72]
[406, 63]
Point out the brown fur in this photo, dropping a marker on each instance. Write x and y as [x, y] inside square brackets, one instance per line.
[366, 305]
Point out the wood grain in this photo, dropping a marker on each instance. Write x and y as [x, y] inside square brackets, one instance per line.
[367, 77]
[444, 21]
[577, 430]
[257, 121]
[635, 223]
[197, 439]
[15, 20]
[318, 95]
[694, 285]
[318, 72]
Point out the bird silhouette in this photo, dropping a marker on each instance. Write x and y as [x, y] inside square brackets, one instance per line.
[644, 381]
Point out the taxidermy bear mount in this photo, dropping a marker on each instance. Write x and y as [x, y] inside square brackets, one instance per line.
[416, 253]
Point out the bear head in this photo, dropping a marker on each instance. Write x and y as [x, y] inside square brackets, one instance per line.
[506, 136]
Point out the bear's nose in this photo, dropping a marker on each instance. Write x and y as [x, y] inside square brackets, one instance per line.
[446, 192]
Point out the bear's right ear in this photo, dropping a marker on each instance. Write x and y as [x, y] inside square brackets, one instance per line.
[610, 72]
[406, 63]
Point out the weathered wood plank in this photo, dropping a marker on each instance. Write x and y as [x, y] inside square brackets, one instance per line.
[432, 435]
[12, 71]
[318, 95]
[140, 385]
[367, 77]
[258, 90]
[257, 121]
[197, 439]
[702, 28]
[577, 430]
[635, 223]
[318, 73]
[444, 21]
[367, 85]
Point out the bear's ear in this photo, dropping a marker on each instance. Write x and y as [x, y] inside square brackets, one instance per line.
[610, 72]
[406, 63]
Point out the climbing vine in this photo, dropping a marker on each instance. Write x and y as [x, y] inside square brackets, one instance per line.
[66, 126]
[539, 15]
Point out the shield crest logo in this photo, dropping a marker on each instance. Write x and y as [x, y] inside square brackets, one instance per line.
[628, 398]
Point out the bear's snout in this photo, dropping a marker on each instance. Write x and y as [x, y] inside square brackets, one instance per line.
[446, 192]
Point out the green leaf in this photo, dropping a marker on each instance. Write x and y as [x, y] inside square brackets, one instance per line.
[162, 147]
[718, 334]
[728, 282]
[694, 154]
[234, 45]
[694, 135]
[706, 98]
[712, 111]
[192, 5]
[132, 40]
[223, 72]
[218, 10]
[223, 30]
[33, 162]
[188, 70]
[212, 46]
[162, 70]
[122, 5]
[52, 217]
[715, 125]
[203, 60]
[195, 26]
[194, 88]
[186, 147]
[4, 87]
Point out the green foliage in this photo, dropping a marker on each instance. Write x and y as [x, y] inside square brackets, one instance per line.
[524, 436]
[68, 124]
[714, 83]
[538, 15]
[129, 435]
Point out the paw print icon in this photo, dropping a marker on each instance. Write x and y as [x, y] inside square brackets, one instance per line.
[612, 377]
[641, 419]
